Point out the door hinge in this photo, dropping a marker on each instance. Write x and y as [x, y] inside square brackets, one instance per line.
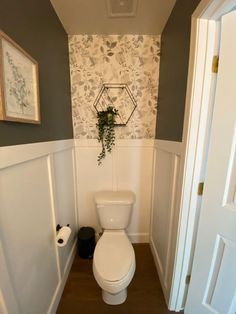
[215, 64]
[200, 188]
[187, 280]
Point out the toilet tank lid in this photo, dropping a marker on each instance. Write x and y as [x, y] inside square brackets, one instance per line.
[114, 197]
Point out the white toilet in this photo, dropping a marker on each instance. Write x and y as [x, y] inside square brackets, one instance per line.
[114, 258]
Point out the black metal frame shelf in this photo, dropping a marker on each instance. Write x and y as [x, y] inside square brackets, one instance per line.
[109, 101]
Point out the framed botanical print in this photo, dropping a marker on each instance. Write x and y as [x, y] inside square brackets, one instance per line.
[19, 90]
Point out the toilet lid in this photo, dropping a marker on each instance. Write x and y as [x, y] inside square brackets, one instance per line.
[114, 197]
[113, 256]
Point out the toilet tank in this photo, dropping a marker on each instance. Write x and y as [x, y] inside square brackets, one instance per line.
[114, 208]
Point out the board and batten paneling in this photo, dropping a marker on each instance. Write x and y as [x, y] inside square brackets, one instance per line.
[37, 191]
[165, 209]
[128, 167]
[65, 191]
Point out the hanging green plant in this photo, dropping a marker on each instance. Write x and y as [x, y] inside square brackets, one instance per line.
[106, 130]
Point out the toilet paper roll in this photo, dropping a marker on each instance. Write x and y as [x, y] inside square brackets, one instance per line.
[63, 236]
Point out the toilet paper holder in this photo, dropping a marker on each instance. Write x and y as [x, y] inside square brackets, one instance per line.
[58, 227]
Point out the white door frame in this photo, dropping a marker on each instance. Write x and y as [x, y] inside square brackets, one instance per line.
[200, 87]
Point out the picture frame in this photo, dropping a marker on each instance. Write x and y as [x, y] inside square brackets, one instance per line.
[19, 83]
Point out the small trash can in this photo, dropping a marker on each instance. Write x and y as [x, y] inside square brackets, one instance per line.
[86, 242]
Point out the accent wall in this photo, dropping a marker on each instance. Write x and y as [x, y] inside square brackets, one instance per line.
[130, 59]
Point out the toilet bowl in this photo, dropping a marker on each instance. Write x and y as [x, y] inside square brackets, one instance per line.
[114, 265]
[114, 258]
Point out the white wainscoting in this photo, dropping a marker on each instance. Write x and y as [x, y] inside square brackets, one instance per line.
[129, 167]
[37, 192]
[165, 209]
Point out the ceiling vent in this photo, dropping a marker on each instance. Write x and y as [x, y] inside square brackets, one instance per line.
[122, 8]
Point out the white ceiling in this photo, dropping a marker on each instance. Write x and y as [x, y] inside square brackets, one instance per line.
[91, 17]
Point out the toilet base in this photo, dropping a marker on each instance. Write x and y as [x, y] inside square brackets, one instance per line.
[114, 299]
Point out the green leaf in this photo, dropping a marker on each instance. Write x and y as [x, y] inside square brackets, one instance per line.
[106, 131]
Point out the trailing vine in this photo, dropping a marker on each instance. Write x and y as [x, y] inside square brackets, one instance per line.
[106, 131]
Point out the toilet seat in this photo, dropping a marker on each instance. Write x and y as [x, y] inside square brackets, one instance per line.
[114, 261]
[113, 255]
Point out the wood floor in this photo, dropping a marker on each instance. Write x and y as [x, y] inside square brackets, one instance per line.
[83, 295]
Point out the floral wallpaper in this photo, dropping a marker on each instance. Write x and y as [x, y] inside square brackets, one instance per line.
[130, 59]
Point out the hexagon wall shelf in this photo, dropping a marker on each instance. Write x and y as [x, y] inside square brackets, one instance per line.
[118, 96]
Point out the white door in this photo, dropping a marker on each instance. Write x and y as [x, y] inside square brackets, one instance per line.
[213, 280]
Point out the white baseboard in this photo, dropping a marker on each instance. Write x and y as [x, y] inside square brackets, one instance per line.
[139, 237]
[134, 237]
[58, 293]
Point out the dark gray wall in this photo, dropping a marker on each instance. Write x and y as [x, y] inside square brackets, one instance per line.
[175, 44]
[34, 25]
